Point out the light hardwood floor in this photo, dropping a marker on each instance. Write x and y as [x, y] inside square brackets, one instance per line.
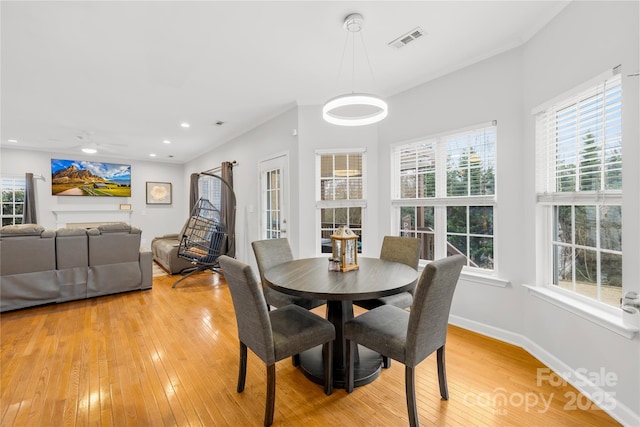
[166, 357]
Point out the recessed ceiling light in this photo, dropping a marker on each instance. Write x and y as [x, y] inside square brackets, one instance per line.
[185, 125]
[166, 141]
[89, 150]
[152, 155]
[12, 140]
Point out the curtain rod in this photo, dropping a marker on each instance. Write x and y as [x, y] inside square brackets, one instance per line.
[233, 163]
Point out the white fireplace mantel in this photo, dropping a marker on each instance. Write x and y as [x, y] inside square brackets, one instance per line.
[69, 217]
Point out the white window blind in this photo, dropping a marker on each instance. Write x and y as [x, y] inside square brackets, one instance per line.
[460, 164]
[341, 177]
[471, 162]
[417, 170]
[579, 141]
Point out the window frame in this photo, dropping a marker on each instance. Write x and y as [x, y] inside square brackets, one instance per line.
[336, 204]
[14, 180]
[548, 198]
[441, 200]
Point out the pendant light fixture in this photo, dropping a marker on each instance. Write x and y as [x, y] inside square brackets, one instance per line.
[354, 109]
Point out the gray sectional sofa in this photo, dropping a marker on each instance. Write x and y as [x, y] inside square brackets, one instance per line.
[39, 266]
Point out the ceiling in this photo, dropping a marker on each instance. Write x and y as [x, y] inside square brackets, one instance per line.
[125, 75]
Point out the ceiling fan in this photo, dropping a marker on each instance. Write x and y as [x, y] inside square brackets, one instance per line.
[88, 146]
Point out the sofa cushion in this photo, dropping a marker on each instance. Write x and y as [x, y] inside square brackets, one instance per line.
[113, 247]
[68, 232]
[116, 227]
[21, 230]
[72, 248]
[30, 253]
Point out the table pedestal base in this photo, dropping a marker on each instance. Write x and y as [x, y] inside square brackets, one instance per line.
[365, 370]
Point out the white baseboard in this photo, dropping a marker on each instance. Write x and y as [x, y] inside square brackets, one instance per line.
[614, 408]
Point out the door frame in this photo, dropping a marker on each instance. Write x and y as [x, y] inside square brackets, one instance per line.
[280, 161]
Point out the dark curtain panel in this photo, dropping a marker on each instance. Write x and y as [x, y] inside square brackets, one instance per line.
[29, 215]
[193, 191]
[228, 207]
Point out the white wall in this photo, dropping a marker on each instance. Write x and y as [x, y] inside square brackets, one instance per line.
[586, 39]
[490, 90]
[315, 133]
[260, 143]
[153, 220]
[583, 41]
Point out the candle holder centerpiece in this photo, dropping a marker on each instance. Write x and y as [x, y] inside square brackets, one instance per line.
[344, 249]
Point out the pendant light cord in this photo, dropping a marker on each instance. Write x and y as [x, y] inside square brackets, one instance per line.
[353, 59]
[344, 51]
[353, 62]
[366, 55]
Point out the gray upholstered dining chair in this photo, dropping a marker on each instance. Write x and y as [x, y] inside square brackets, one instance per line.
[405, 250]
[269, 253]
[273, 335]
[409, 337]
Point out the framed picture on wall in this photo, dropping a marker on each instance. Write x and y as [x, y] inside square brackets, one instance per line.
[158, 193]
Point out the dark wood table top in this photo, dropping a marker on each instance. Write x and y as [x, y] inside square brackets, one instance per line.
[311, 278]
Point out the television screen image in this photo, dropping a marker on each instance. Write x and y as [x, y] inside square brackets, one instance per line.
[84, 178]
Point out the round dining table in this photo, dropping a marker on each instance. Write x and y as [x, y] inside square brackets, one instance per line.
[311, 278]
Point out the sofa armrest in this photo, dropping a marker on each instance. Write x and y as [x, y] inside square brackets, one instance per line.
[146, 268]
[172, 236]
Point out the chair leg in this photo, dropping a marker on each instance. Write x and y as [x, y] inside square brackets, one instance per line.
[242, 372]
[410, 386]
[386, 362]
[327, 356]
[271, 395]
[442, 374]
[349, 381]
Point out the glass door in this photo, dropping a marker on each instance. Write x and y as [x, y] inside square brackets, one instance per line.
[274, 186]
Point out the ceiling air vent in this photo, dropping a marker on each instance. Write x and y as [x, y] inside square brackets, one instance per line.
[407, 38]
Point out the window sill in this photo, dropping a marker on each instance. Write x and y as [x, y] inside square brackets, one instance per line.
[602, 318]
[482, 279]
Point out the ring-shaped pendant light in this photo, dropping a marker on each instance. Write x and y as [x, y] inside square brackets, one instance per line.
[354, 100]
[360, 101]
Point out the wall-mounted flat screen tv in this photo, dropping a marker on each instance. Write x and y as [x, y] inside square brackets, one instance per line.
[84, 178]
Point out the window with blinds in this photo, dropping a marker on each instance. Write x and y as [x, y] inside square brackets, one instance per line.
[579, 141]
[445, 194]
[579, 188]
[471, 163]
[341, 198]
[460, 164]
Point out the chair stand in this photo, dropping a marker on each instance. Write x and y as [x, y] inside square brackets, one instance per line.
[442, 374]
[327, 354]
[271, 395]
[349, 374]
[410, 387]
[386, 362]
[242, 372]
[191, 271]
